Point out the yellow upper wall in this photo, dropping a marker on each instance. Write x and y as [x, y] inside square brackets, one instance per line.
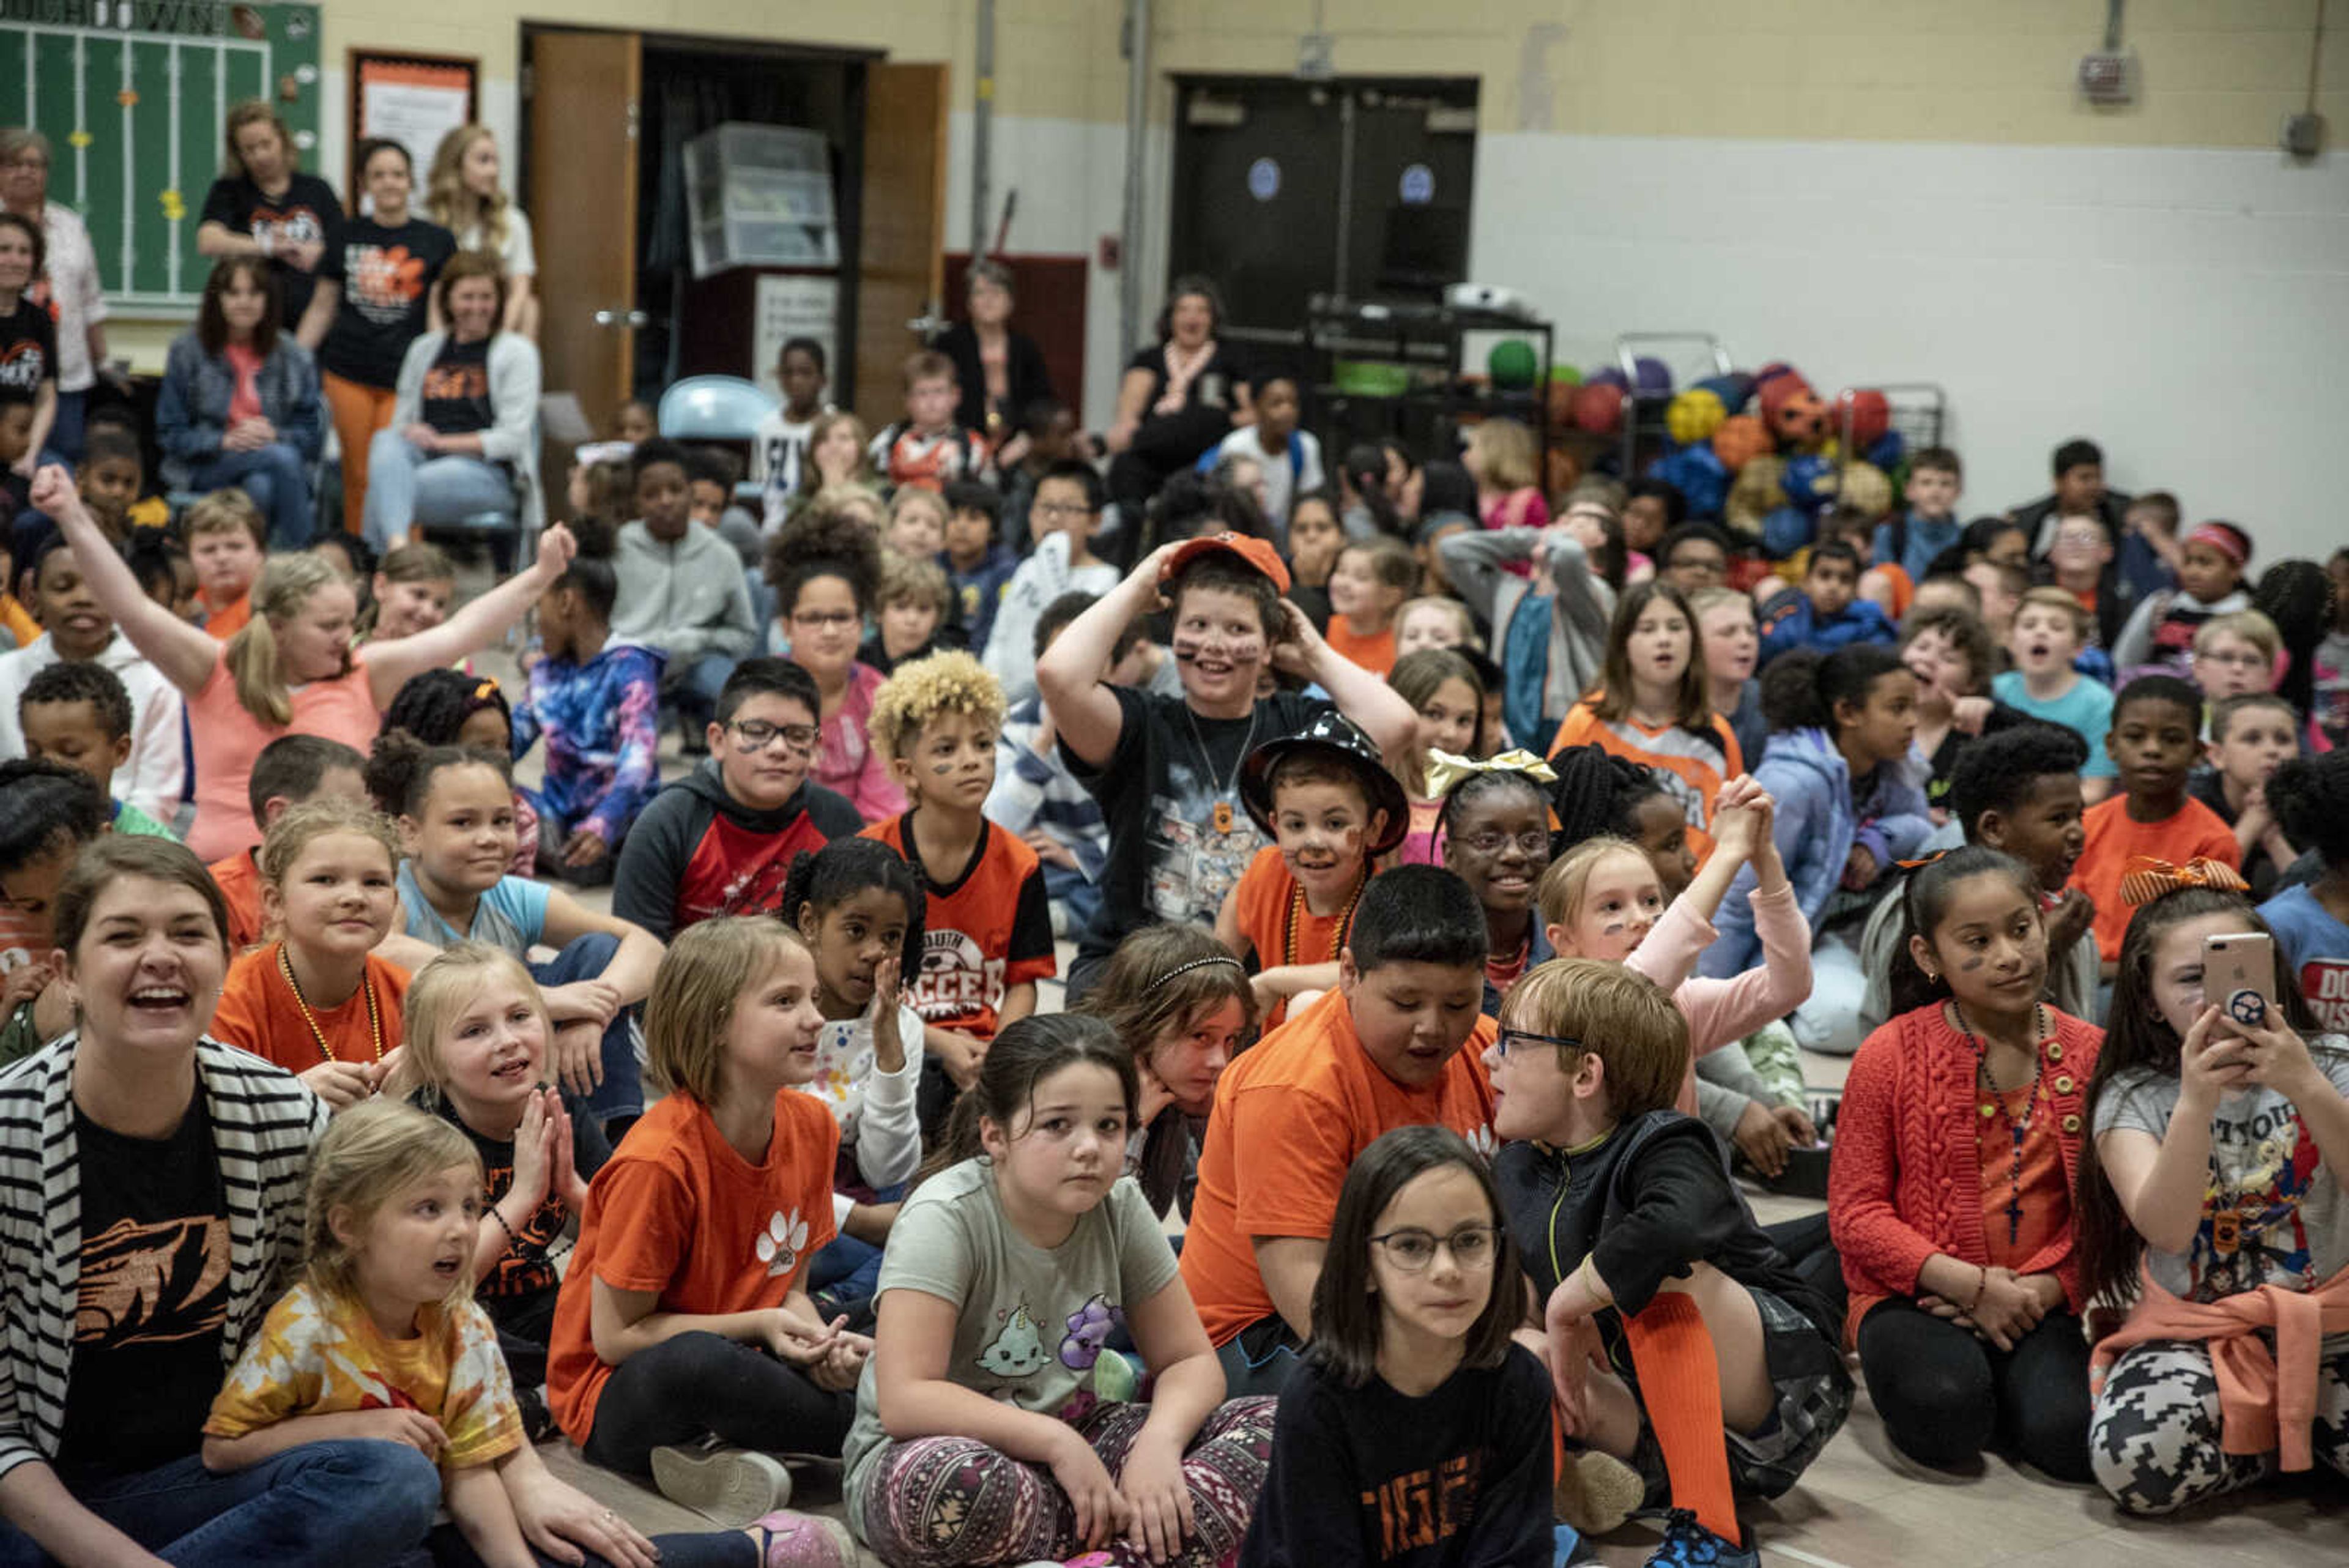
[2212, 73]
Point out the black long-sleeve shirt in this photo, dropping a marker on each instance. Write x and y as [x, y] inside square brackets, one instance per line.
[1458, 1478]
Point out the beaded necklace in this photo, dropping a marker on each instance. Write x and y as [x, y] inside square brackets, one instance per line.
[1996, 1107]
[1297, 917]
[327, 1052]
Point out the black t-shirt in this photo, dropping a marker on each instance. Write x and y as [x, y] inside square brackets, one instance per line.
[154, 1296]
[524, 1275]
[1458, 1478]
[28, 352]
[306, 211]
[1944, 760]
[456, 399]
[385, 276]
[1178, 837]
[1648, 1201]
[1217, 385]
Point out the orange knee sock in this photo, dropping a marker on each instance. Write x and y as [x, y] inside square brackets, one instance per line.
[1679, 1382]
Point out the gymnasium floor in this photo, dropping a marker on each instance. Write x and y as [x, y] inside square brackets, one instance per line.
[1861, 1506]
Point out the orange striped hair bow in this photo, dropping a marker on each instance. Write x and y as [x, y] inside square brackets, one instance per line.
[2147, 878]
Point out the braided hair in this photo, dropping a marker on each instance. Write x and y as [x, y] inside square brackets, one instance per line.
[820, 879]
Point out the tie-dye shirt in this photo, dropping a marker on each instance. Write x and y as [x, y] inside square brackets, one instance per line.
[318, 1354]
[601, 723]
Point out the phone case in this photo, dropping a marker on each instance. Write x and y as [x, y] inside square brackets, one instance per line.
[2238, 976]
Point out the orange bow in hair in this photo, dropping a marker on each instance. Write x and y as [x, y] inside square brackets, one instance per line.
[2149, 877]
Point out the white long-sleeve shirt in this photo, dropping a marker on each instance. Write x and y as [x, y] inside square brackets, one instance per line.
[156, 774]
[876, 1110]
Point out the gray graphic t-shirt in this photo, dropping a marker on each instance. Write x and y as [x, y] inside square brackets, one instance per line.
[1031, 1322]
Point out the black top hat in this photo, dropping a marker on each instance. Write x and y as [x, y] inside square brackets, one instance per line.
[1341, 739]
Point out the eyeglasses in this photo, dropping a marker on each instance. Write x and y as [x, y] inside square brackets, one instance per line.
[2246, 659]
[1509, 1039]
[825, 617]
[1706, 565]
[1412, 1250]
[757, 735]
[1060, 509]
[1492, 841]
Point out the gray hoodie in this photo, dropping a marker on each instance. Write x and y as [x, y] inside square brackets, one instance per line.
[688, 599]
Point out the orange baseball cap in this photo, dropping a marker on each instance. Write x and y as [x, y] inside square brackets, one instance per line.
[1256, 554]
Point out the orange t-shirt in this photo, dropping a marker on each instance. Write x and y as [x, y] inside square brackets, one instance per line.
[224, 624]
[1375, 653]
[988, 930]
[2114, 839]
[677, 1213]
[258, 1012]
[1265, 892]
[1291, 1114]
[239, 880]
[17, 620]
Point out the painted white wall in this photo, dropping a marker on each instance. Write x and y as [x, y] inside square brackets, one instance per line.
[2188, 309]
[1070, 175]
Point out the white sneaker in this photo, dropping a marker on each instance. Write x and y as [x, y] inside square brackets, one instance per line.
[733, 1487]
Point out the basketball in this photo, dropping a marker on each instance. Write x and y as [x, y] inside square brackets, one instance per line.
[1598, 407]
[1741, 439]
[1868, 414]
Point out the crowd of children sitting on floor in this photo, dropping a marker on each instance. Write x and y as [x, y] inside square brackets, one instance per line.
[1453, 869]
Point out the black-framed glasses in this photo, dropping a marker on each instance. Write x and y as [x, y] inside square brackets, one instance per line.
[757, 735]
[1509, 1039]
[1492, 841]
[1412, 1250]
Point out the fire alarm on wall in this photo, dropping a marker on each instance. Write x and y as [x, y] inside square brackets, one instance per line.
[2108, 78]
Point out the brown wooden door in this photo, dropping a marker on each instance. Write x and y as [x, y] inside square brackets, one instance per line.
[585, 89]
[901, 244]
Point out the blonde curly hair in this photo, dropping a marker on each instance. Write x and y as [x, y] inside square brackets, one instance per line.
[948, 682]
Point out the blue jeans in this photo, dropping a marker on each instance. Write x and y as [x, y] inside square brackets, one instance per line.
[352, 1503]
[847, 1267]
[1078, 900]
[277, 478]
[70, 429]
[692, 691]
[407, 486]
[622, 1092]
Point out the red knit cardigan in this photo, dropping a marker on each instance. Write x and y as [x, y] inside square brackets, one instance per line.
[1906, 1182]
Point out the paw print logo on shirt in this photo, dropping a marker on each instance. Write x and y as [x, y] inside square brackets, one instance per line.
[778, 1244]
[1486, 1145]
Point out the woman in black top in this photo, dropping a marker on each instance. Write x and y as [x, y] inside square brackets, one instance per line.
[1001, 372]
[376, 279]
[266, 207]
[28, 341]
[1179, 397]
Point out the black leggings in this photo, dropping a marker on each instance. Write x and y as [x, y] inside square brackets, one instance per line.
[698, 1385]
[1945, 1395]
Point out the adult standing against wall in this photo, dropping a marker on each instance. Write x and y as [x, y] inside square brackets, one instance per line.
[68, 287]
[460, 432]
[1000, 372]
[239, 404]
[264, 206]
[141, 1151]
[381, 268]
[29, 339]
[464, 195]
[1179, 397]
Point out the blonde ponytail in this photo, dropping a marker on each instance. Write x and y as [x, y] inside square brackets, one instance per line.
[283, 590]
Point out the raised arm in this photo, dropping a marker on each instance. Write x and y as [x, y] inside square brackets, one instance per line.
[185, 654]
[480, 623]
[1084, 710]
[1382, 710]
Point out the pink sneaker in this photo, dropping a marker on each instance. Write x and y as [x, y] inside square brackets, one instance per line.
[788, 1540]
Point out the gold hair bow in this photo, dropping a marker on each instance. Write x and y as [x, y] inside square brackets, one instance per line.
[1445, 771]
[486, 689]
[2147, 878]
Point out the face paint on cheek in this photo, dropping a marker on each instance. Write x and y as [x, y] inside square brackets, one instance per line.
[1972, 964]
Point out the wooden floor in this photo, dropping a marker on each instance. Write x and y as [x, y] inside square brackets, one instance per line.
[1861, 1506]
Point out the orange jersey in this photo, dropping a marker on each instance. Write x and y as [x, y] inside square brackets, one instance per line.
[1267, 908]
[239, 880]
[1375, 653]
[1692, 765]
[986, 931]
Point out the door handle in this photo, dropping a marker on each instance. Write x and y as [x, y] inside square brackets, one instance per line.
[632, 319]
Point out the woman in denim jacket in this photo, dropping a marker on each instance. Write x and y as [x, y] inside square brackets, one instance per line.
[240, 402]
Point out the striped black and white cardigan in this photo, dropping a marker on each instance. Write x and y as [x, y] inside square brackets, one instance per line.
[263, 1122]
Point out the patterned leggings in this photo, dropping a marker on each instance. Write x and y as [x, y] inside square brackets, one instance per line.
[2153, 1439]
[954, 1502]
